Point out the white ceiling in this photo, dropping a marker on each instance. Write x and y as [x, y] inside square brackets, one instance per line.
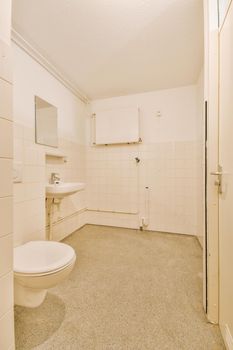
[116, 47]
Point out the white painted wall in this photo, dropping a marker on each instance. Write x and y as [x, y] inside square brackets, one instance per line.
[31, 79]
[5, 21]
[170, 154]
[177, 106]
[6, 201]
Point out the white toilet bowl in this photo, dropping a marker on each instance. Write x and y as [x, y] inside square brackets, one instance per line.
[39, 265]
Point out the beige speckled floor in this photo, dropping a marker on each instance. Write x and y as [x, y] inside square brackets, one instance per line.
[130, 290]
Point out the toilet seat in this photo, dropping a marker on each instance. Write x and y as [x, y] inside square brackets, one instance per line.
[42, 257]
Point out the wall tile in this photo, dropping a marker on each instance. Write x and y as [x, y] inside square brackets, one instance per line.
[5, 61]
[114, 183]
[6, 293]
[6, 218]
[6, 138]
[28, 230]
[18, 131]
[18, 150]
[29, 196]
[7, 331]
[6, 210]
[6, 177]
[28, 191]
[168, 169]
[29, 134]
[6, 96]
[6, 255]
[33, 173]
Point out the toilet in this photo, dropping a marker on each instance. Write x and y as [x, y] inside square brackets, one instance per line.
[39, 265]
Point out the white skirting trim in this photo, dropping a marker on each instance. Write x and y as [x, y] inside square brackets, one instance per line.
[227, 336]
[69, 224]
[112, 211]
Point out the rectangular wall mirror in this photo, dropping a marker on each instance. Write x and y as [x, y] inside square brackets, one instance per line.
[46, 123]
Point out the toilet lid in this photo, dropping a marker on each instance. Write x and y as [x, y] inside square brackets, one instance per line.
[42, 256]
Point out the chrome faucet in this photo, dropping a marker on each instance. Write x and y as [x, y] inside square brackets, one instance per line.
[55, 178]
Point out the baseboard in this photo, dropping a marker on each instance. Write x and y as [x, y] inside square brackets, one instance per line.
[68, 224]
[71, 223]
[124, 220]
[200, 240]
[228, 338]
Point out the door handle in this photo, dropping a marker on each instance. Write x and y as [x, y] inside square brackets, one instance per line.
[218, 182]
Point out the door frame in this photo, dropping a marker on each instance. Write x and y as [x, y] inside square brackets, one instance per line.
[211, 92]
[225, 317]
[212, 27]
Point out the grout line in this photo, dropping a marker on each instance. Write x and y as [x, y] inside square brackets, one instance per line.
[6, 273]
[9, 120]
[7, 234]
[7, 158]
[5, 80]
[7, 312]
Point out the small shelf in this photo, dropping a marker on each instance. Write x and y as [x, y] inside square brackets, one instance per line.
[56, 155]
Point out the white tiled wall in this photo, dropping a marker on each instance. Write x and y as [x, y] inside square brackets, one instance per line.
[169, 170]
[6, 218]
[29, 201]
[31, 79]
[113, 178]
[29, 195]
[112, 185]
[170, 166]
[71, 214]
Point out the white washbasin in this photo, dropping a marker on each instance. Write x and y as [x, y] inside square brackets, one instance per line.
[63, 189]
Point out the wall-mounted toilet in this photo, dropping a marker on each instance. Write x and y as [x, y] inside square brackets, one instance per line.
[39, 265]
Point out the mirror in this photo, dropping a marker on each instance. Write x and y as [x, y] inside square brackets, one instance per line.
[46, 123]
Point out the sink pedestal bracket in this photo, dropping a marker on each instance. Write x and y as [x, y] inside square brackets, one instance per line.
[50, 203]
